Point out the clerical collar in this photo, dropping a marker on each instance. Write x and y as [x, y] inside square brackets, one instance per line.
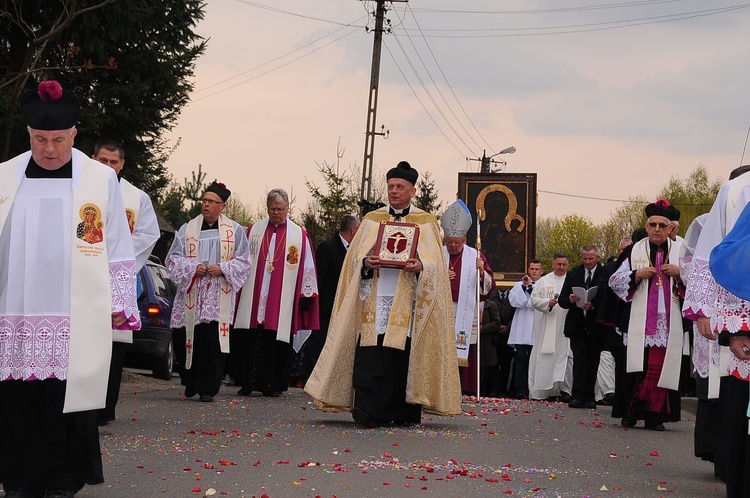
[399, 212]
[664, 246]
[206, 226]
[33, 170]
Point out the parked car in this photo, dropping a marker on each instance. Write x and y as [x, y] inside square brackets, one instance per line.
[153, 343]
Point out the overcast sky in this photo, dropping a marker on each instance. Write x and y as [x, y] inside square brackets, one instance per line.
[603, 99]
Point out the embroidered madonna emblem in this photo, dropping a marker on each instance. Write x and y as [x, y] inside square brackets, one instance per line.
[90, 228]
[131, 219]
[293, 256]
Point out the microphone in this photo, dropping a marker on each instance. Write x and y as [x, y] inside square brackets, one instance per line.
[556, 296]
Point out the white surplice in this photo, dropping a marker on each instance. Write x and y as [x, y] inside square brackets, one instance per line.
[551, 354]
[36, 336]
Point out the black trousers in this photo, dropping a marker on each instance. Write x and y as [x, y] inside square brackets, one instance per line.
[733, 399]
[380, 383]
[587, 351]
[40, 447]
[264, 364]
[107, 414]
[205, 374]
[505, 358]
[521, 369]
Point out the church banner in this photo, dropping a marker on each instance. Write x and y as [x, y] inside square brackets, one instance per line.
[507, 206]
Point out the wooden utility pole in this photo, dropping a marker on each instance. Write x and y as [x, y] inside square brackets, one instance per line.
[372, 105]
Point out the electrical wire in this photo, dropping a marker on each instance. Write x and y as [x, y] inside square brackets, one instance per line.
[446, 81]
[437, 88]
[352, 24]
[587, 27]
[592, 198]
[274, 68]
[420, 100]
[294, 14]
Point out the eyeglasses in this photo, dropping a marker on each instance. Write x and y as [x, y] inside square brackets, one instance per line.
[654, 224]
[211, 202]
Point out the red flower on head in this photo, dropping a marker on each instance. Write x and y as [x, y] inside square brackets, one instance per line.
[50, 90]
[662, 203]
[222, 185]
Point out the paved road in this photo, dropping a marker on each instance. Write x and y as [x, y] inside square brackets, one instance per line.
[164, 445]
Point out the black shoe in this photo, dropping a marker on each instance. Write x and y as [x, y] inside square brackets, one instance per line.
[564, 397]
[628, 423]
[271, 394]
[362, 417]
[190, 392]
[609, 399]
[205, 398]
[20, 493]
[658, 427]
[59, 493]
[403, 423]
[576, 403]
[589, 405]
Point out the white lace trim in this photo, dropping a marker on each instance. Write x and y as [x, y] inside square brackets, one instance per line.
[701, 291]
[740, 367]
[309, 282]
[619, 282]
[34, 347]
[122, 281]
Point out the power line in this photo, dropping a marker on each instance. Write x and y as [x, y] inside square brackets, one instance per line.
[294, 14]
[639, 3]
[446, 80]
[632, 201]
[429, 95]
[435, 85]
[420, 100]
[588, 27]
[275, 68]
[352, 24]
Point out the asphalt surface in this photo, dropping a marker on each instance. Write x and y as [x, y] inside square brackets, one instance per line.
[165, 445]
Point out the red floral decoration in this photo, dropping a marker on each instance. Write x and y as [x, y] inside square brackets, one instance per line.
[662, 203]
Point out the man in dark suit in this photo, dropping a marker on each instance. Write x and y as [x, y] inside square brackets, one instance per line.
[329, 257]
[585, 333]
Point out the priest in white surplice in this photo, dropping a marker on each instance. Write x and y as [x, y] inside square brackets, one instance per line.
[144, 232]
[550, 369]
[209, 262]
[66, 279]
[279, 302]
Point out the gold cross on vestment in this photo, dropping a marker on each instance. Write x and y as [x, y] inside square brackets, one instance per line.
[423, 300]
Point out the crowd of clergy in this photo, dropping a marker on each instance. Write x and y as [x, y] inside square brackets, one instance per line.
[393, 316]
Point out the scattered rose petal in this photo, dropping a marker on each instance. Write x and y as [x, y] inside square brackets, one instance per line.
[654, 454]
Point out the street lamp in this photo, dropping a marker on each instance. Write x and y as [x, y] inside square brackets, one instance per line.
[486, 160]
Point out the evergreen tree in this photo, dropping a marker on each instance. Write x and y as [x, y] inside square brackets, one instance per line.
[427, 195]
[327, 206]
[128, 62]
